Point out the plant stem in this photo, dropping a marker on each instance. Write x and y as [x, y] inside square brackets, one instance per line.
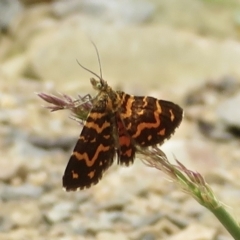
[227, 221]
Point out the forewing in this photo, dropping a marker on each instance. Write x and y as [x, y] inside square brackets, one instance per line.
[93, 153]
[149, 121]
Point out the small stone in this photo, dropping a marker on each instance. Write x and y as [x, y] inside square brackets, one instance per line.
[8, 11]
[195, 232]
[60, 211]
[21, 233]
[18, 192]
[38, 178]
[228, 111]
[9, 169]
[222, 237]
[103, 221]
[147, 220]
[121, 12]
[15, 66]
[147, 236]
[27, 214]
[110, 236]
[30, 2]
[191, 208]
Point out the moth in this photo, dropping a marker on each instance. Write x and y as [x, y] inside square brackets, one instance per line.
[115, 127]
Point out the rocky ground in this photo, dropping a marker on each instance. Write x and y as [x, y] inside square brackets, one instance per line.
[188, 53]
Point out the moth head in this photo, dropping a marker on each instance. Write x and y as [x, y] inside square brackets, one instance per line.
[98, 85]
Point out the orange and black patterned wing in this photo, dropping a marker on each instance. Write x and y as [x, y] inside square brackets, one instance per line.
[93, 153]
[149, 121]
[126, 149]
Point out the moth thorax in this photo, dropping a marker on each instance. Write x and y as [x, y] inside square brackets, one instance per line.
[114, 101]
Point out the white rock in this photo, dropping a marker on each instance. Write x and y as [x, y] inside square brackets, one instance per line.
[110, 236]
[228, 111]
[60, 211]
[195, 232]
[25, 214]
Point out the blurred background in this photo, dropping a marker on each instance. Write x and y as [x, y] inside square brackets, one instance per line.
[184, 51]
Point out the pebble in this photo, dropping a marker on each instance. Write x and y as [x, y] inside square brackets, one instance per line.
[22, 233]
[119, 12]
[60, 211]
[110, 236]
[203, 233]
[103, 221]
[8, 193]
[8, 12]
[228, 111]
[26, 213]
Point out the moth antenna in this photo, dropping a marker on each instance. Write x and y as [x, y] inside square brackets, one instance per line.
[100, 78]
[99, 61]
